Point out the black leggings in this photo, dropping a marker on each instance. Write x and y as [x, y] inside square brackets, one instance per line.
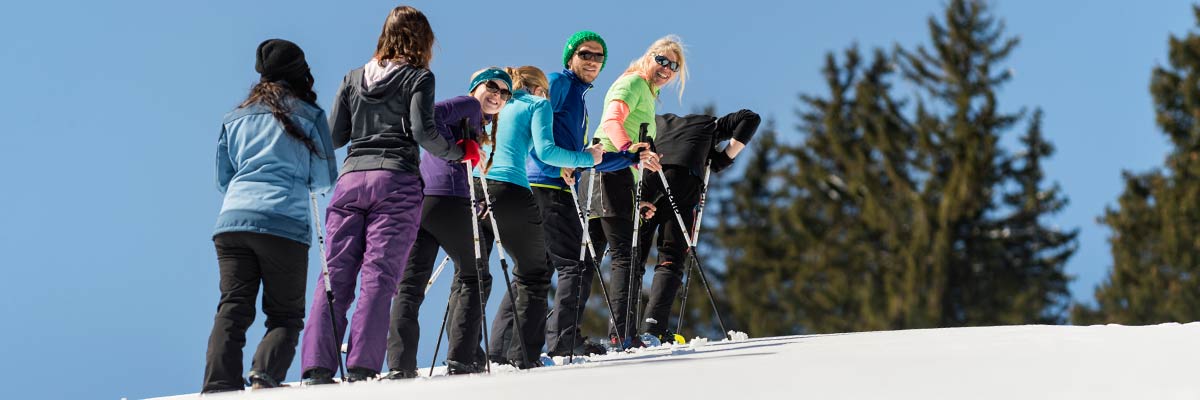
[520, 226]
[445, 224]
[563, 238]
[616, 226]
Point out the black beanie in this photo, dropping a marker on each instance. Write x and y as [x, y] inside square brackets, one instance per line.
[278, 59]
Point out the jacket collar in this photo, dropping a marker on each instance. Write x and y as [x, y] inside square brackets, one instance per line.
[575, 78]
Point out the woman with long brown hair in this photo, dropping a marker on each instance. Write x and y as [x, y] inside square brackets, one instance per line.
[383, 110]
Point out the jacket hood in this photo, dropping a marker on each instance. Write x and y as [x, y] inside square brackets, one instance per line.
[379, 82]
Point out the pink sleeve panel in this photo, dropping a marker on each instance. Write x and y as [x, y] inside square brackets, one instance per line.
[613, 124]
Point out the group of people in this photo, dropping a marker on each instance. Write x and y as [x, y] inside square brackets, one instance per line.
[394, 206]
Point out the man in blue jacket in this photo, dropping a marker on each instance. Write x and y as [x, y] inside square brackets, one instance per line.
[583, 59]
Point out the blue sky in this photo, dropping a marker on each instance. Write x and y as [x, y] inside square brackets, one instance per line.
[113, 112]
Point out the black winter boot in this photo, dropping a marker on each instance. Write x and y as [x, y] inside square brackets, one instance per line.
[260, 380]
[397, 374]
[462, 368]
[318, 376]
[360, 374]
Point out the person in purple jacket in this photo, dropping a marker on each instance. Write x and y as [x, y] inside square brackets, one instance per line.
[446, 224]
[383, 110]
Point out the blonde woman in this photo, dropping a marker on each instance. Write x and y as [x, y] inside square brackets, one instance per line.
[629, 103]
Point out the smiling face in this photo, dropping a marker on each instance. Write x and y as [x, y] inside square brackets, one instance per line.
[587, 71]
[660, 75]
[490, 100]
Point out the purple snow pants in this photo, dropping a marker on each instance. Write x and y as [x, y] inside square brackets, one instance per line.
[371, 224]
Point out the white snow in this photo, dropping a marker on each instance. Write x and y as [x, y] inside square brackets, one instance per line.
[1006, 362]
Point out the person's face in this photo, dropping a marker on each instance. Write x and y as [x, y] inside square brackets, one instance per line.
[661, 74]
[492, 95]
[587, 70]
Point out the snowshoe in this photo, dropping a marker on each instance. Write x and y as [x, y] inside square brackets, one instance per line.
[360, 374]
[398, 374]
[590, 347]
[671, 337]
[260, 380]
[520, 364]
[462, 368]
[583, 348]
[650, 340]
[633, 342]
[318, 376]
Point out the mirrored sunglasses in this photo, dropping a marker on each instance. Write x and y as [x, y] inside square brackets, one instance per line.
[664, 61]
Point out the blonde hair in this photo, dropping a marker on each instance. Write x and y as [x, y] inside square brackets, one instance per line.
[528, 76]
[406, 35]
[645, 64]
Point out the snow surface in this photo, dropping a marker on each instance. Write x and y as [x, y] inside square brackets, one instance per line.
[1007, 362]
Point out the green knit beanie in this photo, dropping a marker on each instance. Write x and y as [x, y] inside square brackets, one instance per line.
[577, 39]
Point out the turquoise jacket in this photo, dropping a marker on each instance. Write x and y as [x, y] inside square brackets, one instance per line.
[526, 127]
[266, 175]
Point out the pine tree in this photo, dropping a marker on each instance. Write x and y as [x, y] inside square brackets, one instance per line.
[895, 215]
[1031, 273]
[1155, 242]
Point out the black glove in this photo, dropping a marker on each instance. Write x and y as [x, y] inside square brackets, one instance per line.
[720, 160]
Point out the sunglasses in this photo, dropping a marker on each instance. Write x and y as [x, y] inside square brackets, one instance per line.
[493, 88]
[664, 61]
[590, 56]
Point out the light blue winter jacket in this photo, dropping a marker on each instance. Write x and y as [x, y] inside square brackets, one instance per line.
[526, 126]
[266, 175]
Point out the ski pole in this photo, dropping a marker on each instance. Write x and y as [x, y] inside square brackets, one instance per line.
[445, 314]
[586, 244]
[512, 299]
[479, 262]
[635, 256]
[441, 331]
[436, 272]
[691, 246]
[695, 239]
[337, 353]
[587, 236]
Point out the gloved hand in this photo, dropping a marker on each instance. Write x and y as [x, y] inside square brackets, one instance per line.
[720, 160]
[470, 151]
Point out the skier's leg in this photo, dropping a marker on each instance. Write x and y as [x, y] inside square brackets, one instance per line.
[239, 271]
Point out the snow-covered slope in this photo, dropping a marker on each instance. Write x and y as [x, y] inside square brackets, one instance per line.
[1010, 362]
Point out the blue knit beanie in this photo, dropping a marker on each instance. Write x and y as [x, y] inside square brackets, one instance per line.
[489, 74]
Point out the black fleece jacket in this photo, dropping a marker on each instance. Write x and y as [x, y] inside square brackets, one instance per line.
[385, 124]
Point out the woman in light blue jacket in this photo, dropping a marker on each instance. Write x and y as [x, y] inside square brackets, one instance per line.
[526, 127]
[274, 150]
